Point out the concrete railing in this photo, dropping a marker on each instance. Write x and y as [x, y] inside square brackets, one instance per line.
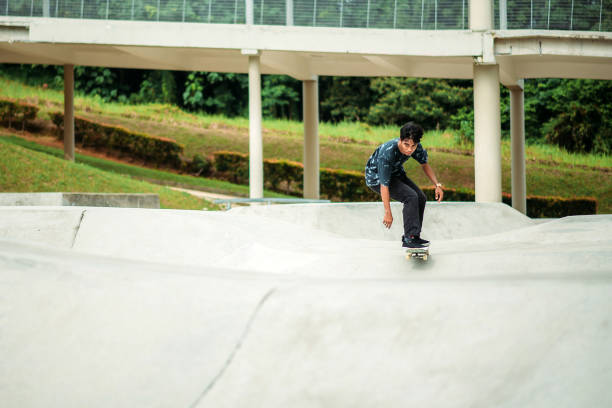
[593, 15]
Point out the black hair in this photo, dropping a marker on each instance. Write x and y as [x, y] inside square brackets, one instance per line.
[411, 131]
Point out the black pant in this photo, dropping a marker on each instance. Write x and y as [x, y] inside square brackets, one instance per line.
[404, 190]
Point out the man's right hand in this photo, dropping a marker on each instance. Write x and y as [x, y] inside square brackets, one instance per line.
[388, 220]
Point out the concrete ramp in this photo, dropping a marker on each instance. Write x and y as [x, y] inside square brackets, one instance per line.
[132, 308]
[442, 221]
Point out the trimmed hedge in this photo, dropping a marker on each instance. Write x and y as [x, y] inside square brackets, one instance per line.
[556, 207]
[14, 113]
[341, 185]
[87, 133]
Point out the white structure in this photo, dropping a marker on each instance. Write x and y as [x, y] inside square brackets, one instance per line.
[303, 306]
[475, 51]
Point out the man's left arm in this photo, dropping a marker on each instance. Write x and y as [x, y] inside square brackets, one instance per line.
[432, 176]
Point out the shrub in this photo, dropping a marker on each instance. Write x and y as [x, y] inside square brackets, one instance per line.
[342, 185]
[157, 150]
[15, 114]
[198, 166]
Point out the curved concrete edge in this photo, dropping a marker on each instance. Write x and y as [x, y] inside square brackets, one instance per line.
[263, 244]
[441, 221]
[50, 225]
[119, 200]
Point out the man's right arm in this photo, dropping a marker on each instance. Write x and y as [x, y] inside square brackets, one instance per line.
[386, 198]
[384, 174]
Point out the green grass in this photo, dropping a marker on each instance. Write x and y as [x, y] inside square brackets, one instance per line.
[550, 170]
[25, 170]
[160, 115]
[141, 173]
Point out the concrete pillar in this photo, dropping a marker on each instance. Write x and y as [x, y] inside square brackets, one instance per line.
[255, 136]
[249, 11]
[481, 15]
[46, 8]
[289, 12]
[487, 121]
[503, 15]
[311, 138]
[517, 131]
[487, 134]
[69, 112]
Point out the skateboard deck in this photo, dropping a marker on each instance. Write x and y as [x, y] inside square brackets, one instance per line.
[419, 253]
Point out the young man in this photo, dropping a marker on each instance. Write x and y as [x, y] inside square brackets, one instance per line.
[385, 175]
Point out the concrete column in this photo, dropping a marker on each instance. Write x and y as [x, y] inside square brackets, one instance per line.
[255, 136]
[517, 131]
[503, 15]
[46, 8]
[311, 138]
[481, 15]
[289, 12]
[69, 112]
[249, 11]
[487, 134]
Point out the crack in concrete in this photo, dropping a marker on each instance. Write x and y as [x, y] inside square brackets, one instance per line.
[237, 347]
[76, 230]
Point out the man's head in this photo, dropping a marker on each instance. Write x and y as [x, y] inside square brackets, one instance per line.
[411, 131]
[410, 136]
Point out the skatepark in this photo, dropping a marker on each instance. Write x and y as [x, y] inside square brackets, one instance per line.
[307, 305]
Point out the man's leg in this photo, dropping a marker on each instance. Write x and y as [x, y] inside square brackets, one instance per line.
[406, 192]
[421, 196]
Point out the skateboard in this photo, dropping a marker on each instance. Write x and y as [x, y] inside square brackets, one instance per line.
[419, 253]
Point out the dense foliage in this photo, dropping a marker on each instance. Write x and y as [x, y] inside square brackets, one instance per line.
[574, 114]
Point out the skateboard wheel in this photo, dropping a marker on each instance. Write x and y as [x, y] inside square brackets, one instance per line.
[424, 257]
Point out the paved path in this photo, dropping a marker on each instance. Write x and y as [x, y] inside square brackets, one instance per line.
[204, 194]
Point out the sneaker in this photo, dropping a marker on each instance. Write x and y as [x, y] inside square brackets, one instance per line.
[420, 240]
[411, 243]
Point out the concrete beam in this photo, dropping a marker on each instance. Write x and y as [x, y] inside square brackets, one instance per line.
[239, 36]
[387, 64]
[542, 43]
[293, 64]
[547, 66]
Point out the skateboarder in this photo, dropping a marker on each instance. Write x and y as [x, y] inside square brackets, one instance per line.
[385, 175]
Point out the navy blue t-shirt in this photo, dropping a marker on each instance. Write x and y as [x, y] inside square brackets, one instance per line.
[387, 161]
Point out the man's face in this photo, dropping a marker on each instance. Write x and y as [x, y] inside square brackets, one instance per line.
[407, 146]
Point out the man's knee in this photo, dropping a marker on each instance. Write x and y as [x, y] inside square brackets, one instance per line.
[408, 196]
[422, 196]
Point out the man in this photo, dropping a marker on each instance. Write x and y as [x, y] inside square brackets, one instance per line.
[385, 175]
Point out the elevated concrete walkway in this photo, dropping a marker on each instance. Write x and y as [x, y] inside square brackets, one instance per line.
[282, 306]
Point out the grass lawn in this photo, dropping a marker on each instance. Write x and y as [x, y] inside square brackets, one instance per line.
[24, 170]
[550, 170]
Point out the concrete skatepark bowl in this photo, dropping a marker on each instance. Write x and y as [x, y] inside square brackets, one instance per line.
[303, 306]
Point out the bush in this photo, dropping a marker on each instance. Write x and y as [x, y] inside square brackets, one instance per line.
[198, 166]
[159, 151]
[341, 185]
[15, 114]
[556, 207]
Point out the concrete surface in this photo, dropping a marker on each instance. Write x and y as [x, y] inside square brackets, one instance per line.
[120, 200]
[279, 306]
